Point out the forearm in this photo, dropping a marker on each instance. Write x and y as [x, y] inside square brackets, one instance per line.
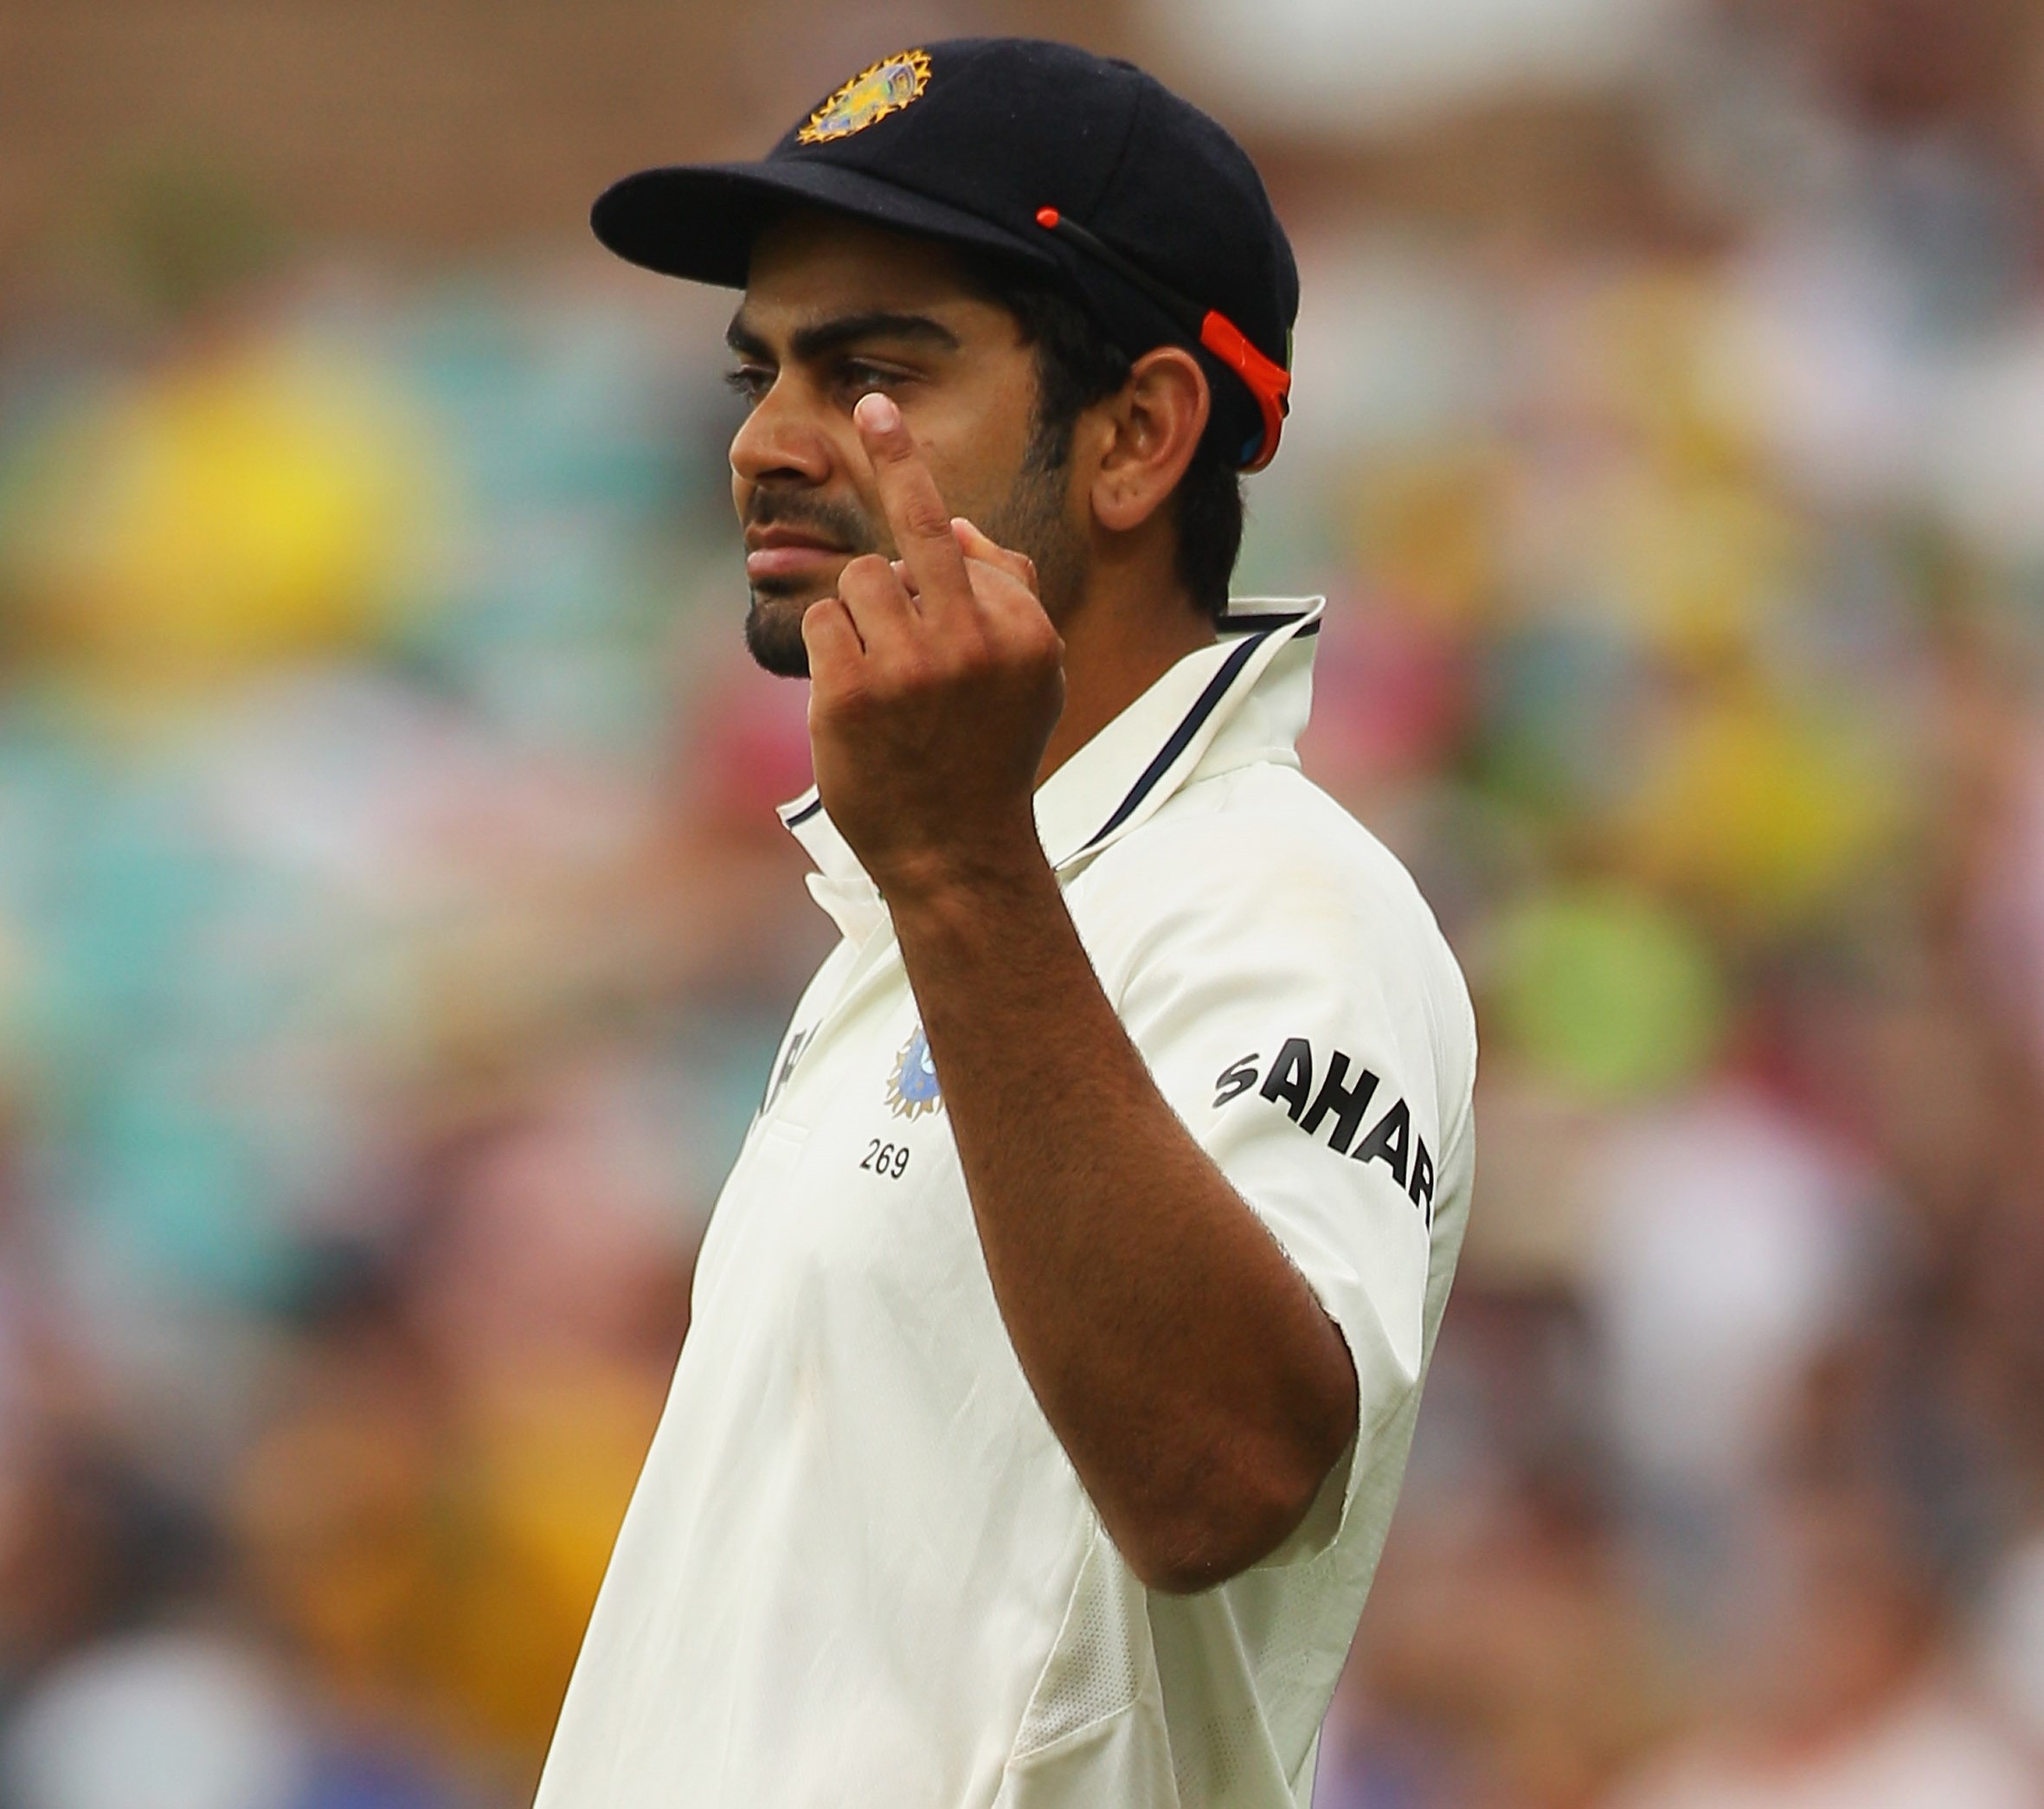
[1198, 1388]
[1192, 1378]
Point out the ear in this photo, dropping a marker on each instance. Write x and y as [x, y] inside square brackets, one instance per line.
[1148, 431]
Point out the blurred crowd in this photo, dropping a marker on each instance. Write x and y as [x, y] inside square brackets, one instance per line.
[395, 931]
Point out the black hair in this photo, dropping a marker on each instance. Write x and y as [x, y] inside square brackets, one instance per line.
[1077, 365]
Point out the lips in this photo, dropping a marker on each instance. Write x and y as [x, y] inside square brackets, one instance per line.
[782, 552]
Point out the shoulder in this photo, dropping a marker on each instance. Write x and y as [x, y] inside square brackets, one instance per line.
[1267, 849]
[1260, 872]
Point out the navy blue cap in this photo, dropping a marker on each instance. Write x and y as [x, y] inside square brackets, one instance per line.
[1080, 166]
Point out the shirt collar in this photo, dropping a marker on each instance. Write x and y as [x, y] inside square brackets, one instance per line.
[1242, 700]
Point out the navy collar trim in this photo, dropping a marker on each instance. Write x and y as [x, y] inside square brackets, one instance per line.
[1261, 628]
[1255, 628]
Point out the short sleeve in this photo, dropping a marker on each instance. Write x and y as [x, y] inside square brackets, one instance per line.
[1287, 1005]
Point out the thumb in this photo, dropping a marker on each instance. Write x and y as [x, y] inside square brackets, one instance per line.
[976, 545]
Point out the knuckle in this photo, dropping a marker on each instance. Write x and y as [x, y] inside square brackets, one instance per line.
[864, 572]
[923, 519]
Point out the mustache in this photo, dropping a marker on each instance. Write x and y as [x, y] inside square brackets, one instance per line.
[842, 524]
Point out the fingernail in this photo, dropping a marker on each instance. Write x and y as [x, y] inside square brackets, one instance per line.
[877, 413]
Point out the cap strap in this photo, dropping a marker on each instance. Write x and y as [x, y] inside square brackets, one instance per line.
[1268, 382]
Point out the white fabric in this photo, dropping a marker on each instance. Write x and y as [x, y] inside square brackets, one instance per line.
[858, 1569]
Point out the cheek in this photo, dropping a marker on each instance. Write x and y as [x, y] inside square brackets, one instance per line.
[978, 439]
[983, 477]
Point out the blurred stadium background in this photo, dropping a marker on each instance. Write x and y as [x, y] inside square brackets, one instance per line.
[394, 928]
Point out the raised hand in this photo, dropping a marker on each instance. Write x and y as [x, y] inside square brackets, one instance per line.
[935, 682]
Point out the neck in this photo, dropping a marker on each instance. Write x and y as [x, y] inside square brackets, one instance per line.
[1127, 629]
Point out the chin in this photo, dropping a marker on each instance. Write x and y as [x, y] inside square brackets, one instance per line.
[773, 633]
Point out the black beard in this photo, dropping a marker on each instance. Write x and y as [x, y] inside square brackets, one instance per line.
[773, 633]
[1031, 519]
[774, 623]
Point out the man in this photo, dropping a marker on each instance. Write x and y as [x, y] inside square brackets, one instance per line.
[1059, 1335]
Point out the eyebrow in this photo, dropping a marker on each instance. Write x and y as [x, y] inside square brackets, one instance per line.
[810, 343]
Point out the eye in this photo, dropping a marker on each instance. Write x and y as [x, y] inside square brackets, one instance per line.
[750, 381]
[857, 377]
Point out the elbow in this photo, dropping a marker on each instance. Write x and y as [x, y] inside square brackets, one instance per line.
[1247, 1491]
[1244, 1515]
[1209, 1557]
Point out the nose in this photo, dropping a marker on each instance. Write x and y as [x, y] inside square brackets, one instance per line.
[780, 440]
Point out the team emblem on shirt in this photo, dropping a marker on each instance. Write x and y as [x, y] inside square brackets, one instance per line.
[912, 1089]
[870, 95]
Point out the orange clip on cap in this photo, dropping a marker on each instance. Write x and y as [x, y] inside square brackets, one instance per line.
[1270, 384]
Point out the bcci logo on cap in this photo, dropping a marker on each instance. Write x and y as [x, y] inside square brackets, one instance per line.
[871, 94]
[912, 1089]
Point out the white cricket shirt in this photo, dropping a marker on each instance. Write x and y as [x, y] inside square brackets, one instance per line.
[858, 1570]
